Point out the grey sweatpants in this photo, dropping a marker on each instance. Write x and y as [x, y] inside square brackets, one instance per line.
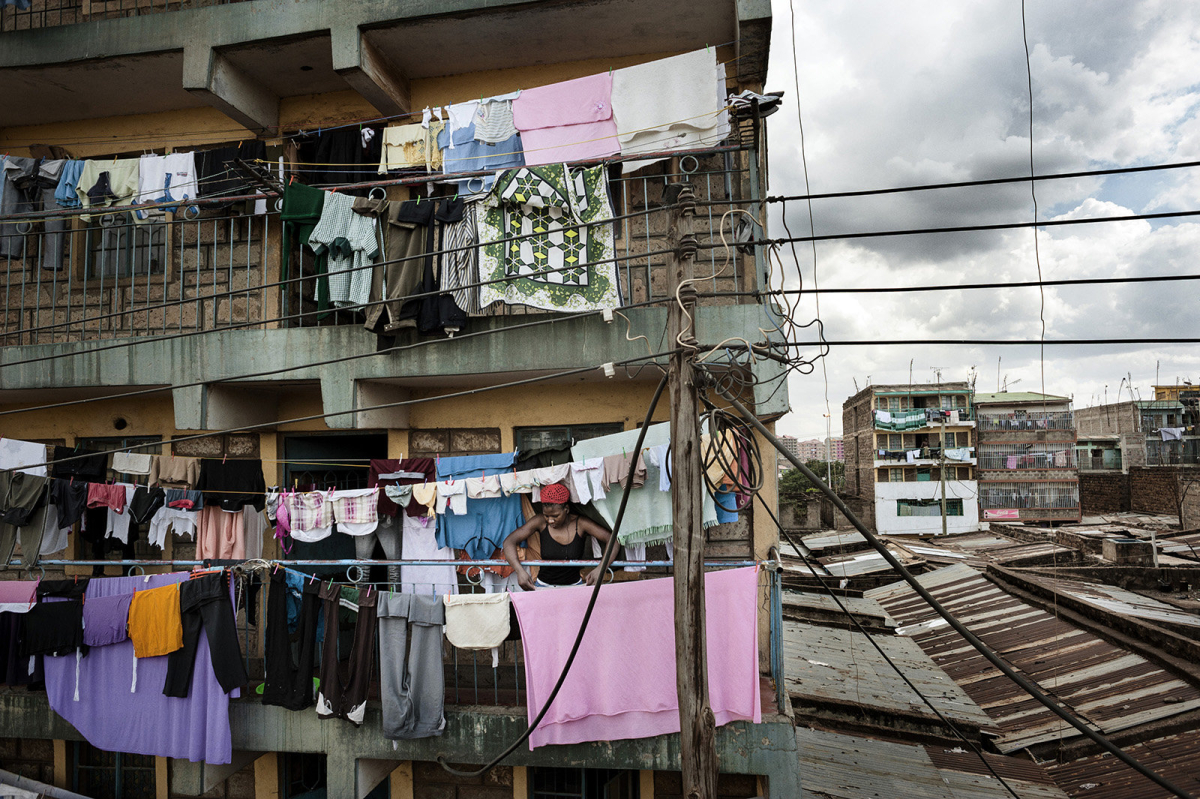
[412, 683]
[388, 535]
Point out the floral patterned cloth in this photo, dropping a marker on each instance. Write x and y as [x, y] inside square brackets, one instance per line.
[559, 221]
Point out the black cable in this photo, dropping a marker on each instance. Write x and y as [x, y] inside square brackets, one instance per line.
[609, 550]
[316, 416]
[974, 228]
[1086, 281]
[953, 727]
[1092, 173]
[548, 320]
[1029, 687]
[987, 341]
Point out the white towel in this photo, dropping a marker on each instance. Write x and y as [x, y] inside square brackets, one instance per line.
[131, 462]
[668, 104]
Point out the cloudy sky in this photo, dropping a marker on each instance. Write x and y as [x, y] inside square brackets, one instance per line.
[915, 92]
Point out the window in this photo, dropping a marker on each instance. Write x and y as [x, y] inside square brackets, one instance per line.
[897, 475]
[111, 775]
[928, 507]
[118, 442]
[582, 783]
[531, 438]
[124, 249]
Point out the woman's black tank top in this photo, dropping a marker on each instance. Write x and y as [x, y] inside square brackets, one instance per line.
[552, 550]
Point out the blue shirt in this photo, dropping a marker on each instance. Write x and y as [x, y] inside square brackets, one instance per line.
[487, 522]
[469, 155]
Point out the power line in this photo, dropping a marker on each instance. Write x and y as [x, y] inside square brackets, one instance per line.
[972, 228]
[1091, 173]
[364, 409]
[878, 342]
[1087, 281]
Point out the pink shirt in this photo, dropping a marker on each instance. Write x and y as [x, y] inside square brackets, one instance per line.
[622, 683]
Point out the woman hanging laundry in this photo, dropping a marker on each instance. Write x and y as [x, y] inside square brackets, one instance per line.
[562, 535]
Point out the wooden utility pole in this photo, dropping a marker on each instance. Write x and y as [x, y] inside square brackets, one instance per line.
[698, 759]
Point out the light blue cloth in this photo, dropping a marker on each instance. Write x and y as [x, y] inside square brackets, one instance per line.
[482, 529]
[23, 5]
[65, 194]
[648, 517]
[469, 155]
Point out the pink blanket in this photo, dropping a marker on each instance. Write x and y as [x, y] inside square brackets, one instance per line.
[567, 121]
[622, 684]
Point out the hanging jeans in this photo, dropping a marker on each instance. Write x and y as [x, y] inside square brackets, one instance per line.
[413, 688]
[387, 532]
[289, 681]
[204, 602]
[338, 699]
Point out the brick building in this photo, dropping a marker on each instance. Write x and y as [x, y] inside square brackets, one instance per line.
[895, 456]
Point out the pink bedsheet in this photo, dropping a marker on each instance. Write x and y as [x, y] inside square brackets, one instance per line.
[622, 684]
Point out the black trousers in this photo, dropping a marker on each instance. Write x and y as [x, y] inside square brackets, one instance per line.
[347, 699]
[204, 603]
[289, 682]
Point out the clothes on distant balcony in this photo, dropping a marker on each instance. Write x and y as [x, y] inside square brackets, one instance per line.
[349, 240]
[567, 121]
[170, 471]
[155, 625]
[204, 602]
[232, 484]
[347, 699]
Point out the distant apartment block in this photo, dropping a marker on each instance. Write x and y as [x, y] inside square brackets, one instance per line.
[895, 454]
[1164, 431]
[1026, 451]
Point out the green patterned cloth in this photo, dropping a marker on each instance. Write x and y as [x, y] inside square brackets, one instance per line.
[541, 204]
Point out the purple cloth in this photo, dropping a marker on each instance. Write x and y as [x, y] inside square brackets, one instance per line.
[142, 722]
[105, 618]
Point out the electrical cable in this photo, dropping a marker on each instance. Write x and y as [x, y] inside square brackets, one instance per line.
[1086, 281]
[1091, 173]
[900, 672]
[610, 549]
[978, 228]
[1029, 687]
[987, 341]
[319, 416]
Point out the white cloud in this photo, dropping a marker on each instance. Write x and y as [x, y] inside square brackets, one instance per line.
[906, 93]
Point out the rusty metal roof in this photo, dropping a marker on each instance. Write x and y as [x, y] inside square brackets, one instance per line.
[1104, 777]
[830, 666]
[1121, 601]
[837, 766]
[1101, 683]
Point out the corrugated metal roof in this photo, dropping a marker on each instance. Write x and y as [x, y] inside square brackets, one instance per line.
[866, 609]
[819, 541]
[1103, 684]
[1119, 600]
[836, 766]
[1018, 396]
[831, 665]
[1174, 757]
[864, 561]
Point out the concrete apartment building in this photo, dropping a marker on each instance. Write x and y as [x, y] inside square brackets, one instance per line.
[1025, 448]
[895, 452]
[836, 447]
[183, 304]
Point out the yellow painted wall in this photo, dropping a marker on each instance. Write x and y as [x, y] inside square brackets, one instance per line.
[198, 127]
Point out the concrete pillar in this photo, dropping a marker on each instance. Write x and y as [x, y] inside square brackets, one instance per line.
[368, 72]
[213, 78]
[400, 782]
[266, 776]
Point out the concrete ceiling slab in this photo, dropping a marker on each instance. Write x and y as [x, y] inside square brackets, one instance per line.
[290, 67]
[552, 33]
[138, 84]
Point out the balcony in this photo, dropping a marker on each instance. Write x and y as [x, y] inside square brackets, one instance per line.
[206, 269]
[926, 456]
[1029, 500]
[921, 419]
[52, 13]
[1110, 459]
[1173, 453]
[993, 456]
[1012, 422]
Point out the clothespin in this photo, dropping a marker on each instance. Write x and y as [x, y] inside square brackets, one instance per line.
[224, 457]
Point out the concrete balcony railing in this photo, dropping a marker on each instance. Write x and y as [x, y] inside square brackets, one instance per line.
[208, 268]
[1011, 422]
[52, 13]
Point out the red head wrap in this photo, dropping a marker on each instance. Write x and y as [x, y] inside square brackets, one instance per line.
[556, 494]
